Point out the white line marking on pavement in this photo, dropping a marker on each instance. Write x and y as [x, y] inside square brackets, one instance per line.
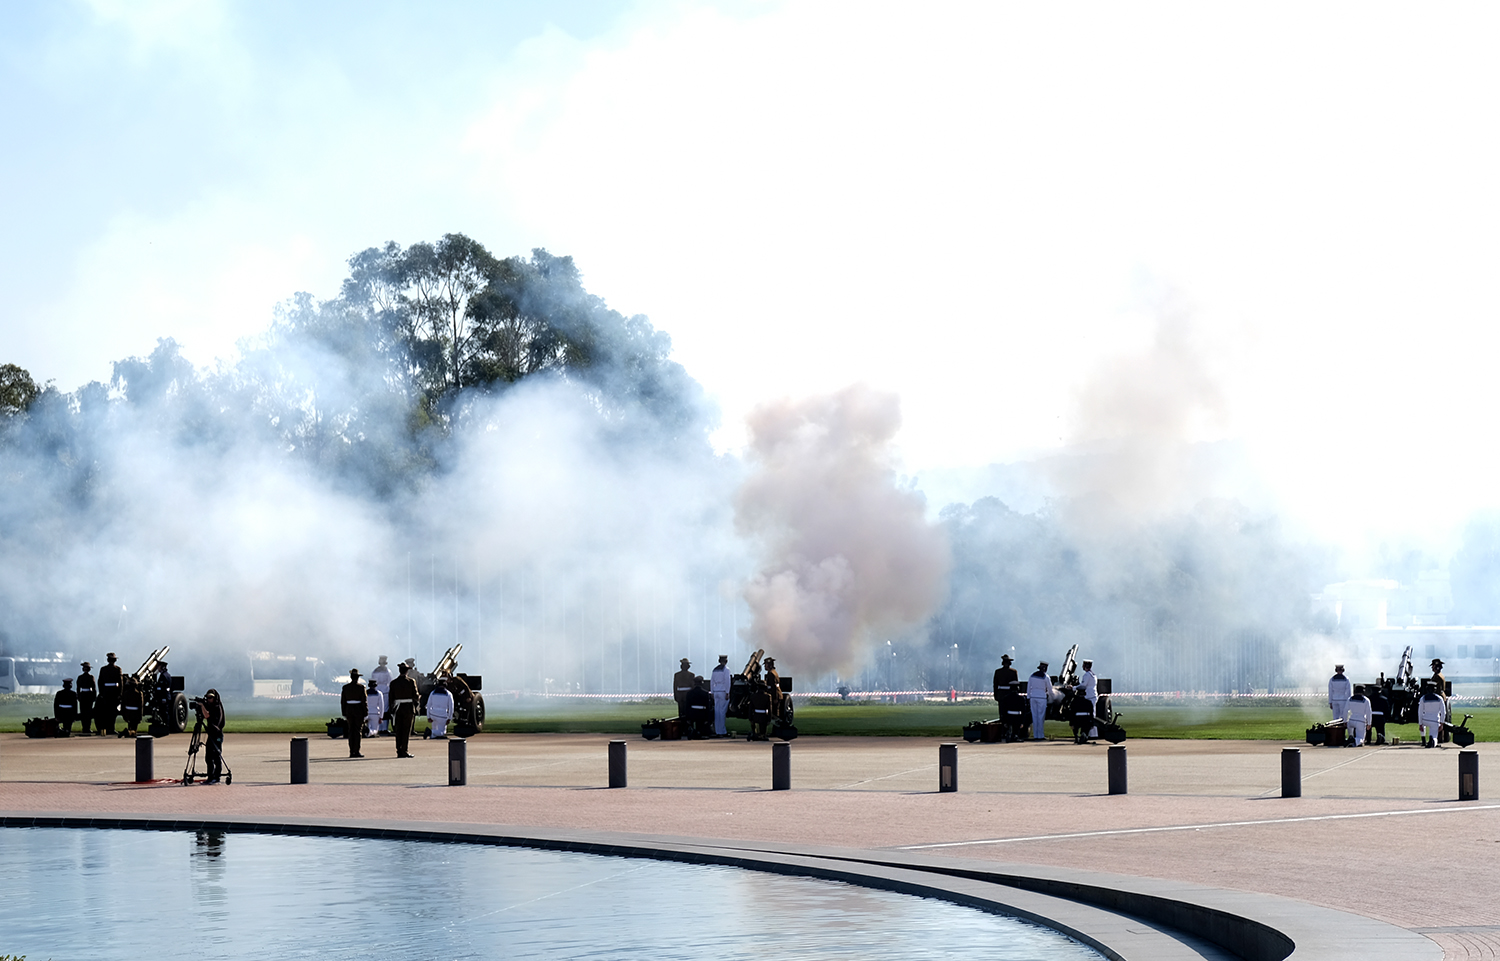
[1194, 827]
[871, 780]
[1335, 767]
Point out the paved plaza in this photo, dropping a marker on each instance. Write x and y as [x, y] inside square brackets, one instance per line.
[1378, 831]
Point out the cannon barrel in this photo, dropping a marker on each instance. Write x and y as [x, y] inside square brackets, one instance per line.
[448, 662]
[147, 670]
[1068, 675]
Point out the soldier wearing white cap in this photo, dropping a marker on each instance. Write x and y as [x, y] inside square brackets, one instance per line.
[1359, 714]
[1090, 685]
[439, 709]
[382, 678]
[1339, 692]
[719, 685]
[1039, 692]
[374, 709]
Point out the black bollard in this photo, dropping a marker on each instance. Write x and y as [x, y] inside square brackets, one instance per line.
[947, 768]
[781, 767]
[1468, 775]
[299, 760]
[616, 763]
[1291, 772]
[458, 762]
[1117, 770]
[144, 769]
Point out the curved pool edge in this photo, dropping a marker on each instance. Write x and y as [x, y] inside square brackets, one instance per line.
[1123, 917]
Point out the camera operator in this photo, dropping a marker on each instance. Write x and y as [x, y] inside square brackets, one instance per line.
[210, 710]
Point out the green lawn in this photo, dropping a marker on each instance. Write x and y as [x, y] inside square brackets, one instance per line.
[1272, 721]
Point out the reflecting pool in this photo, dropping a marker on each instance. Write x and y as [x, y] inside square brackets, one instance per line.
[115, 894]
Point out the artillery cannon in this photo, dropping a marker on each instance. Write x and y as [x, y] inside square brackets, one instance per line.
[468, 704]
[1393, 700]
[1067, 704]
[162, 699]
[750, 699]
[163, 705]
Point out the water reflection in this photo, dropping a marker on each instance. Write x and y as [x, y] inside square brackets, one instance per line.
[199, 895]
[210, 844]
[207, 869]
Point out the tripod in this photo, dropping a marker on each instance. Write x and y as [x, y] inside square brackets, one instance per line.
[190, 772]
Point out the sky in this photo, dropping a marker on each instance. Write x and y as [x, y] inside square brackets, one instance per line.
[990, 209]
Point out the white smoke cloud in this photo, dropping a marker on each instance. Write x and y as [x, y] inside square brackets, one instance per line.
[1140, 423]
[846, 553]
[563, 554]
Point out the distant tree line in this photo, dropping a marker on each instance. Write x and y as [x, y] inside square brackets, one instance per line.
[368, 386]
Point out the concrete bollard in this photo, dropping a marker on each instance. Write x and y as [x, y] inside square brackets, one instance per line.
[947, 768]
[1117, 783]
[616, 763]
[1468, 775]
[781, 767]
[145, 770]
[1291, 772]
[458, 762]
[299, 760]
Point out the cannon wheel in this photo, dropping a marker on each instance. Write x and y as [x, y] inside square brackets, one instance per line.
[478, 712]
[178, 714]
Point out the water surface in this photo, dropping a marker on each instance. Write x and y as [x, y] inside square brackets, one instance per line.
[119, 894]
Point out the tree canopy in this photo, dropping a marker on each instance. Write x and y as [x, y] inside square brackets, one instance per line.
[369, 385]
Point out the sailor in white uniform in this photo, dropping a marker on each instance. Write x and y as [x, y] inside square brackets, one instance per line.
[1430, 711]
[1339, 691]
[382, 678]
[1359, 714]
[439, 709]
[375, 711]
[1090, 692]
[1038, 692]
[719, 687]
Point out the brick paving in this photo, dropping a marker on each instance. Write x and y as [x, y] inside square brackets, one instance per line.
[1372, 827]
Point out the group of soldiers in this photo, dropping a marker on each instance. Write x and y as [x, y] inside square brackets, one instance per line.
[387, 705]
[1366, 707]
[99, 701]
[696, 697]
[1038, 692]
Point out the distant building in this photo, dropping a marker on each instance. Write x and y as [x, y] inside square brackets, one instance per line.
[1374, 604]
[1383, 617]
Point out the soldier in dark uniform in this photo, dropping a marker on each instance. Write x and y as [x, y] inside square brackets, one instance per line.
[1015, 712]
[111, 687]
[403, 709]
[213, 735]
[773, 686]
[1380, 706]
[760, 712]
[65, 708]
[1005, 676]
[86, 692]
[682, 683]
[700, 710]
[129, 705]
[356, 705]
